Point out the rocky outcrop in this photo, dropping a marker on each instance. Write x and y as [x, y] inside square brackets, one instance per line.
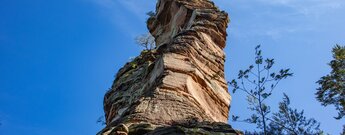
[179, 87]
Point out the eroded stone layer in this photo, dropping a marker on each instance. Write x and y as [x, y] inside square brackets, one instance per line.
[182, 79]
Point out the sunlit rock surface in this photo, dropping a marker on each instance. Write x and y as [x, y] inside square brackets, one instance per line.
[178, 88]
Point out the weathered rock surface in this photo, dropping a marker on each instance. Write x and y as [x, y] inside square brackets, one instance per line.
[178, 88]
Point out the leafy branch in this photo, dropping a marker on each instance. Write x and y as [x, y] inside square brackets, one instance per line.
[258, 82]
[262, 82]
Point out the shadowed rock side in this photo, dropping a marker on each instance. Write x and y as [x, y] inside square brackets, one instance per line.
[178, 88]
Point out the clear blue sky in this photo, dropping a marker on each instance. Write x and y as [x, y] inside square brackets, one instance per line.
[59, 57]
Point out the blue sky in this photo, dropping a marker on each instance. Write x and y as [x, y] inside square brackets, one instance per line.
[58, 58]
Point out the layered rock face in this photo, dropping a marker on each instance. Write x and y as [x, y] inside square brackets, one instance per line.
[179, 87]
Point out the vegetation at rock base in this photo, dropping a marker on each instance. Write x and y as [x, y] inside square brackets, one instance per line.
[258, 82]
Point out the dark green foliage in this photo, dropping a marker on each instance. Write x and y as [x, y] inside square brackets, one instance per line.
[332, 86]
[258, 83]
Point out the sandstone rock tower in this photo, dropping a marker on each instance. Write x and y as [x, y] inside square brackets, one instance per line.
[179, 87]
